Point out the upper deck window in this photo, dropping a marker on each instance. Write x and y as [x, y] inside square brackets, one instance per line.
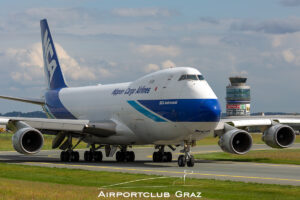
[192, 77]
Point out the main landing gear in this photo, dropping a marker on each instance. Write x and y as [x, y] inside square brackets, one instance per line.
[93, 155]
[187, 158]
[161, 155]
[125, 156]
[69, 154]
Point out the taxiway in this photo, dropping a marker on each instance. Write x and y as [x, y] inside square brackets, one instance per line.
[236, 171]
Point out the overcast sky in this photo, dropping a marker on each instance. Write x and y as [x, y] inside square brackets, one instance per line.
[117, 40]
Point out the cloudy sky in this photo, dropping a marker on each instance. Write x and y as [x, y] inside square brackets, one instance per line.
[114, 41]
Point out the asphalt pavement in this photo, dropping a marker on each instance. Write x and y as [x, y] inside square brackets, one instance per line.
[223, 170]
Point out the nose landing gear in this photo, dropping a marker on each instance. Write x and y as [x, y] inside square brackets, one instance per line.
[187, 158]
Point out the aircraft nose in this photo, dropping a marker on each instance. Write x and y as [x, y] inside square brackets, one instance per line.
[212, 110]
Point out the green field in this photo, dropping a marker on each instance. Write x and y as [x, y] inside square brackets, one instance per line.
[279, 156]
[30, 182]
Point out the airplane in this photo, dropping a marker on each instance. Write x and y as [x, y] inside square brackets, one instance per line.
[168, 108]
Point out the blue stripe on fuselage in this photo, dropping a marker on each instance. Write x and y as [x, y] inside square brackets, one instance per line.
[145, 112]
[185, 110]
[55, 106]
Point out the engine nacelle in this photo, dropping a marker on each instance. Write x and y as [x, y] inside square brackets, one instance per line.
[279, 136]
[28, 140]
[236, 141]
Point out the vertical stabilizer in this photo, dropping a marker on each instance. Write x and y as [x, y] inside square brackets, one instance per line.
[54, 75]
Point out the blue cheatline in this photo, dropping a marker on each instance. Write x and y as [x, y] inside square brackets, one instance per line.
[145, 112]
[185, 110]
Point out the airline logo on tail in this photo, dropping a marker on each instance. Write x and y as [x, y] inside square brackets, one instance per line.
[54, 75]
[49, 61]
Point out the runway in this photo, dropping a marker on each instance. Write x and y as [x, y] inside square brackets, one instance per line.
[236, 171]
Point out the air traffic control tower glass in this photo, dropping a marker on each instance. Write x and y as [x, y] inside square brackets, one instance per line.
[238, 94]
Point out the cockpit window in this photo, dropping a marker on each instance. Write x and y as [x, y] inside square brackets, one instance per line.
[183, 77]
[193, 77]
[200, 77]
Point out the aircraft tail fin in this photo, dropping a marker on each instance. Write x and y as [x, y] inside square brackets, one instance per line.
[54, 75]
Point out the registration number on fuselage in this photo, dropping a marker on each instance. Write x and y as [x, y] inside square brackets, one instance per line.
[168, 102]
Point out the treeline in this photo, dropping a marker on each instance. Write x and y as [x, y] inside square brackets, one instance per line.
[35, 114]
[274, 113]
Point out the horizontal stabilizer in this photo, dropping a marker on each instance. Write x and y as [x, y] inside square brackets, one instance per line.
[26, 100]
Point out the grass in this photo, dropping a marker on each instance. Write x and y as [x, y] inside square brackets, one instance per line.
[256, 140]
[30, 182]
[17, 189]
[280, 156]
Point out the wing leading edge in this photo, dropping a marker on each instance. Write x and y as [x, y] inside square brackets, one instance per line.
[258, 121]
[53, 126]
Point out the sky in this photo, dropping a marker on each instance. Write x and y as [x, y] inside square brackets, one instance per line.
[100, 41]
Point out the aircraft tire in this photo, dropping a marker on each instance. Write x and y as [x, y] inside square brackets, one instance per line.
[65, 156]
[88, 156]
[181, 161]
[160, 157]
[120, 156]
[154, 156]
[169, 156]
[131, 156]
[164, 157]
[77, 156]
[62, 156]
[74, 156]
[191, 162]
[98, 156]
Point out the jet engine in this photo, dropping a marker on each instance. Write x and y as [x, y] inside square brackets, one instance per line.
[279, 136]
[28, 140]
[236, 141]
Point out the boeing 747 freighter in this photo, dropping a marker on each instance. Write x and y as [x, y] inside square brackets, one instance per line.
[169, 108]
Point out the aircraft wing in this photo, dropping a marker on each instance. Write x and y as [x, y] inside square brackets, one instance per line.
[278, 132]
[54, 126]
[261, 122]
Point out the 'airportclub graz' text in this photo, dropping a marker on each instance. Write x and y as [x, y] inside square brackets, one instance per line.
[131, 91]
[137, 195]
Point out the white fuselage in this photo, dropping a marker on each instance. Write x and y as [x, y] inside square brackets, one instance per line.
[155, 109]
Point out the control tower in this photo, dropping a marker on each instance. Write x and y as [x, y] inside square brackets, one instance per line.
[237, 97]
